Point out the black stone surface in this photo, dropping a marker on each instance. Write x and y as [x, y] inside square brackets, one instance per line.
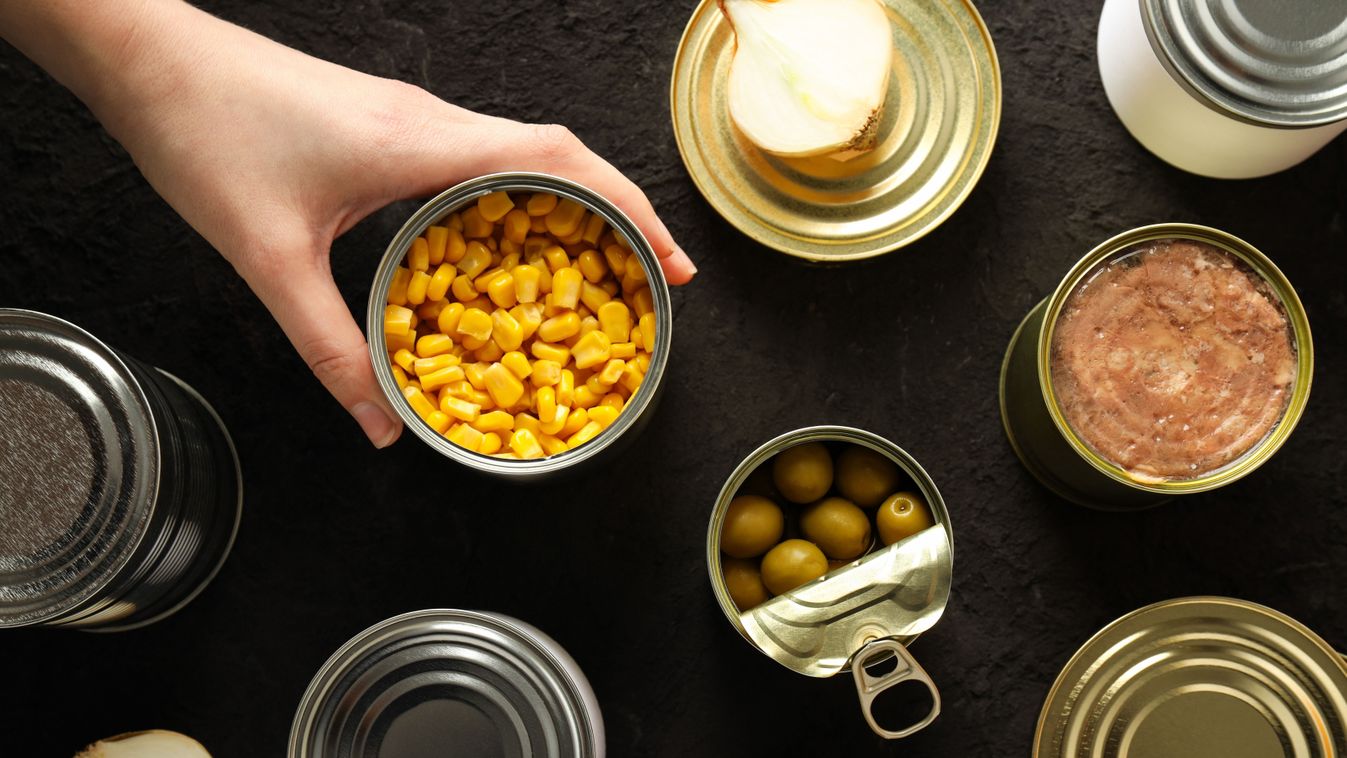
[337, 536]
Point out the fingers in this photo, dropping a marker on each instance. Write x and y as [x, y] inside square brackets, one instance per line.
[308, 307]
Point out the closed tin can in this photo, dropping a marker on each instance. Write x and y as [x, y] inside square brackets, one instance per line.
[1056, 454]
[858, 615]
[120, 491]
[1198, 677]
[449, 682]
[638, 409]
[1226, 88]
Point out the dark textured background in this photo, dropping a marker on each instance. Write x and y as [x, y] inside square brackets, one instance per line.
[337, 536]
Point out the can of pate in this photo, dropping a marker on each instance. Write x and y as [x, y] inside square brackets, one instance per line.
[448, 682]
[1172, 359]
[863, 613]
[120, 491]
[1226, 88]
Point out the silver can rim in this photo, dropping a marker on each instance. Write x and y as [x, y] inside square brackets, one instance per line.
[458, 196]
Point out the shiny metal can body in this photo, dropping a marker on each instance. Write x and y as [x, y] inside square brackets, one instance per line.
[638, 409]
[860, 614]
[449, 682]
[1052, 451]
[120, 490]
[1226, 88]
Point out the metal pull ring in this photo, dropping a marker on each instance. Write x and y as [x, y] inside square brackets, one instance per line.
[869, 687]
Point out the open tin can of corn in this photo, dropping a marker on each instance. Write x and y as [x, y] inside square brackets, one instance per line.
[520, 325]
[120, 491]
[1171, 359]
[449, 682]
[865, 566]
[1198, 677]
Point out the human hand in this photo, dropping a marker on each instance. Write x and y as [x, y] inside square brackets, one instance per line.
[271, 154]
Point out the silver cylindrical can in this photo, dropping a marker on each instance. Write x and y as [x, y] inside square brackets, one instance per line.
[120, 490]
[441, 682]
[638, 409]
[1226, 88]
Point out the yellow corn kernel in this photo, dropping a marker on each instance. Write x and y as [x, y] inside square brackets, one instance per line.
[556, 259]
[636, 339]
[482, 304]
[504, 387]
[525, 444]
[611, 287]
[631, 377]
[432, 345]
[585, 397]
[538, 224]
[566, 287]
[574, 239]
[643, 302]
[397, 289]
[437, 238]
[592, 349]
[424, 366]
[529, 316]
[526, 421]
[454, 221]
[597, 387]
[594, 226]
[516, 226]
[439, 283]
[565, 219]
[476, 373]
[587, 324]
[566, 387]
[430, 309]
[417, 287]
[438, 379]
[592, 265]
[493, 206]
[475, 323]
[545, 373]
[541, 204]
[484, 279]
[526, 280]
[404, 341]
[399, 375]
[612, 371]
[643, 362]
[418, 400]
[397, 319]
[490, 444]
[463, 290]
[405, 359]
[604, 415]
[449, 317]
[489, 352]
[587, 432]
[474, 226]
[552, 445]
[475, 260]
[623, 350]
[518, 363]
[506, 331]
[463, 410]
[648, 331]
[545, 401]
[550, 309]
[593, 297]
[438, 421]
[558, 328]
[612, 400]
[418, 257]
[544, 276]
[555, 353]
[455, 246]
[616, 258]
[495, 421]
[534, 247]
[465, 436]
[465, 391]
[556, 422]
[413, 383]
[574, 422]
[634, 273]
[509, 247]
[501, 290]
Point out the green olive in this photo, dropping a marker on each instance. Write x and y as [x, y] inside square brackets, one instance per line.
[838, 527]
[744, 583]
[901, 516]
[865, 476]
[752, 525]
[803, 473]
[791, 564]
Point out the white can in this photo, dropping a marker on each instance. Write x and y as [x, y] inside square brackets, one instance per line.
[1231, 89]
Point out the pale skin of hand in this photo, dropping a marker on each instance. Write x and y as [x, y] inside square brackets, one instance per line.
[271, 154]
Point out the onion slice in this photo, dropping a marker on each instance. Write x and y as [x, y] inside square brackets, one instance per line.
[156, 743]
[809, 76]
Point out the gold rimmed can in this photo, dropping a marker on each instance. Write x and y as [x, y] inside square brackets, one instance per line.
[1056, 454]
[862, 615]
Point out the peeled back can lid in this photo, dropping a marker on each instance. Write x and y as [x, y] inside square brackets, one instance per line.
[79, 466]
[439, 682]
[1281, 64]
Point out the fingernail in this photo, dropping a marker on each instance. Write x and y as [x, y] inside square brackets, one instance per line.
[678, 251]
[374, 421]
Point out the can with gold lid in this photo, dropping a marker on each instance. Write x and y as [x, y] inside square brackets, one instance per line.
[863, 613]
[1165, 364]
[1198, 677]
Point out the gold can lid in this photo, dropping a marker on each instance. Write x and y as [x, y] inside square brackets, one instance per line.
[937, 130]
[1200, 677]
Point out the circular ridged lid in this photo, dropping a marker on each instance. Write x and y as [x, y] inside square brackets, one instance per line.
[440, 682]
[1278, 64]
[1202, 677]
[79, 462]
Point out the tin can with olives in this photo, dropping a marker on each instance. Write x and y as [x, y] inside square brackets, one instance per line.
[1171, 359]
[120, 491]
[635, 411]
[862, 612]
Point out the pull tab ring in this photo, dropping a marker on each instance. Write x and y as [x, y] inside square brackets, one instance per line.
[868, 687]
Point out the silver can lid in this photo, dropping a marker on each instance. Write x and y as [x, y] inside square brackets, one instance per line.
[79, 463]
[1281, 64]
[434, 682]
